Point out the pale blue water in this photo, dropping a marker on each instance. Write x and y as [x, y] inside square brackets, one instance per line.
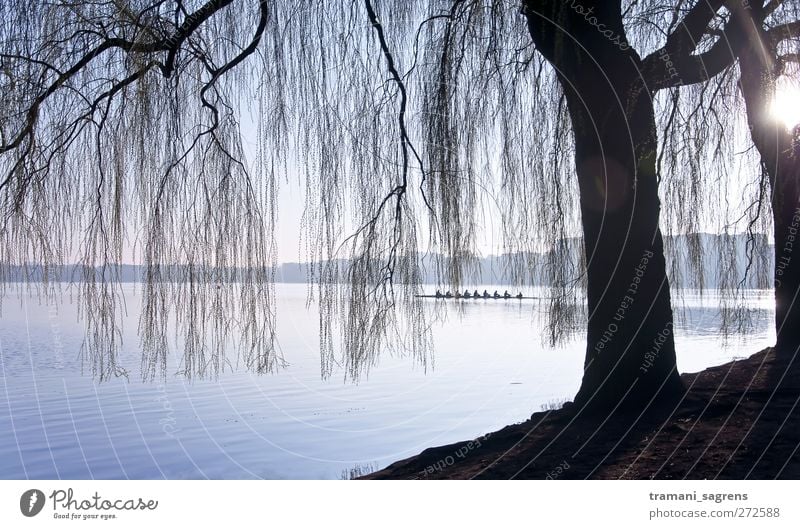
[491, 369]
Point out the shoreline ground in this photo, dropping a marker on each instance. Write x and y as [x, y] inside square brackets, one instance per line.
[739, 420]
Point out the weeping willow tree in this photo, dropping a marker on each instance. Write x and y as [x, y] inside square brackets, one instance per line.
[769, 56]
[409, 124]
[613, 60]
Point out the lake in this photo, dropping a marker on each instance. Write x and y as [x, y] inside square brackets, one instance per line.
[491, 369]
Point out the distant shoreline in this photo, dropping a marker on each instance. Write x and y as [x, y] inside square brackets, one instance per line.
[488, 270]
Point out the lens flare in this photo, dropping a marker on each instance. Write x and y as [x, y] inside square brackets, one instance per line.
[786, 106]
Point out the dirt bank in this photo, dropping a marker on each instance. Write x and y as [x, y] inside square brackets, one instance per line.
[738, 420]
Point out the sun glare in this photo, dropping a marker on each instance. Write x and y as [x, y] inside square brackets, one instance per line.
[786, 106]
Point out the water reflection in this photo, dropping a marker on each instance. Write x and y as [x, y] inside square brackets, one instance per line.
[491, 369]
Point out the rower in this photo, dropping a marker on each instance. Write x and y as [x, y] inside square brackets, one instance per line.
[506, 295]
[438, 293]
[475, 294]
[448, 294]
[458, 294]
[485, 294]
[467, 294]
[495, 295]
[519, 296]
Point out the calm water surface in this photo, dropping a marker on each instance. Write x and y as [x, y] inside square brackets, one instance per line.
[491, 369]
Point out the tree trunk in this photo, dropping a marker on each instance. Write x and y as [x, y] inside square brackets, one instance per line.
[786, 216]
[780, 159]
[630, 356]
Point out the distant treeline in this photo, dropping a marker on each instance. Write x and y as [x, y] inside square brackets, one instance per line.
[694, 261]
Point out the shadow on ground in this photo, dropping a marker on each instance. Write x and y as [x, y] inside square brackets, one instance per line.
[736, 421]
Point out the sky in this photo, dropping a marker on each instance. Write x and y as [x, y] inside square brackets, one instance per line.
[291, 194]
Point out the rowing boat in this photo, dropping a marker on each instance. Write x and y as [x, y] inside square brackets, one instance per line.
[501, 298]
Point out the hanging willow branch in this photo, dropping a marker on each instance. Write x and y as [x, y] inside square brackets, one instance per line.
[417, 128]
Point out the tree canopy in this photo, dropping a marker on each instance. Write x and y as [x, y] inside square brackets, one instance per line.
[123, 124]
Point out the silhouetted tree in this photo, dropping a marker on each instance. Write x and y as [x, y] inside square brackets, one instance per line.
[609, 90]
[121, 125]
[762, 62]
